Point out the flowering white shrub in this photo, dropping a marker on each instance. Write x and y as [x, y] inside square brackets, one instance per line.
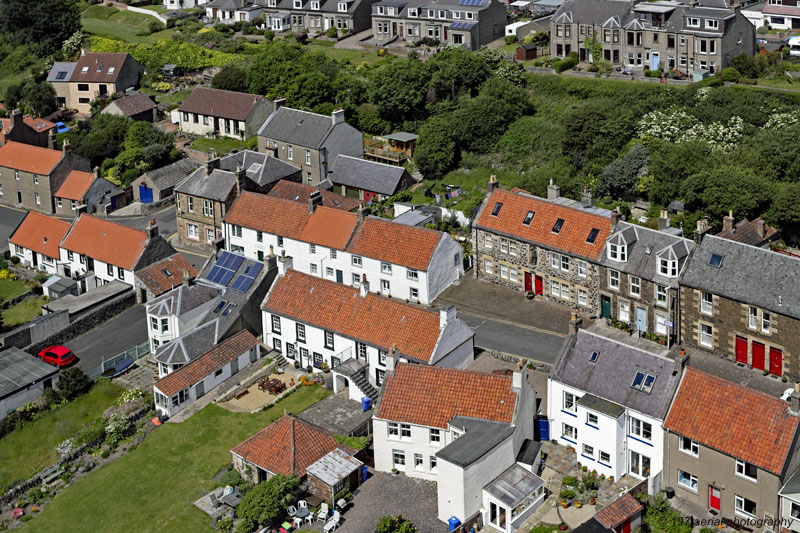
[703, 92]
[130, 395]
[115, 428]
[779, 121]
[678, 126]
[66, 448]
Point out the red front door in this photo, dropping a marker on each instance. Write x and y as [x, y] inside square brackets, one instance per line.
[741, 350]
[539, 288]
[626, 526]
[758, 356]
[528, 282]
[713, 498]
[775, 361]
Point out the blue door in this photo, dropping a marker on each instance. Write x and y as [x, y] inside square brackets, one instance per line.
[145, 194]
[641, 319]
[654, 60]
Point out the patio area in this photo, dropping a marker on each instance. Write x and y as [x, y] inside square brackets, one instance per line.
[256, 397]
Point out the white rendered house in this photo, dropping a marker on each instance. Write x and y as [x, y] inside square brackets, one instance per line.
[35, 241]
[608, 401]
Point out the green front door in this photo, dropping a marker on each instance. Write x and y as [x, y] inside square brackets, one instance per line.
[605, 307]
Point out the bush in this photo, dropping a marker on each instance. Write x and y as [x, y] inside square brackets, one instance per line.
[332, 33]
[570, 481]
[567, 494]
[395, 524]
[225, 525]
[748, 81]
[566, 63]
[269, 35]
[762, 30]
[73, 382]
[511, 39]
[14, 260]
[730, 74]
[232, 478]
[105, 453]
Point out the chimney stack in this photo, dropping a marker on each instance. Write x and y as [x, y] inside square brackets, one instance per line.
[702, 228]
[361, 214]
[614, 219]
[241, 174]
[727, 222]
[279, 103]
[794, 400]
[364, 285]
[187, 279]
[212, 163]
[314, 200]
[16, 118]
[680, 361]
[492, 183]
[575, 323]
[446, 315]
[553, 191]
[394, 357]
[663, 220]
[284, 263]
[152, 229]
[51, 139]
[97, 175]
[586, 198]
[337, 116]
[66, 148]
[761, 227]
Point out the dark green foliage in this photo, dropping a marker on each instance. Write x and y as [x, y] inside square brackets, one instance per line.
[72, 382]
[532, 138]
[395, 524]
[436, 152]
[266, 502]
[399, 89]
[567, 63]
[231, 78]
[720, 189]
[36, 98]
[621, 177]
[44, 24]
[730, 74]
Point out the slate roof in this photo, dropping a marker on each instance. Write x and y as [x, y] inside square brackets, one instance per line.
[299, 192]
[287, 446]
[778, 275]
[75, 186]
[40, 233]
[55, 75]
[734, 420]
[479, 438]
[372, 319]
[747, 232]
[172, 174]
[106, 241]
[262, 169]
[574, 232]
[367, 175]
[294, 126]
[100, 67]
[433, 396]
[402, 136]
[190, 345]
[166, 274]
[19, 370]
[618, 511]
[134, 104]
[791, 488]
[596, 11]
[29, 158]
[215, 186]
[211, 361]
[407, 246]
[611, 376]
[218, 103]
[183, 299]
[268, 214]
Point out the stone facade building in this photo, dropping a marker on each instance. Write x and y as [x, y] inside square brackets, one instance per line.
[549, 247]
[666, 34]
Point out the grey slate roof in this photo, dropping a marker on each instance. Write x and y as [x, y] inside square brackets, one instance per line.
[747, 274]
[792, 487]
[402, 136]
[592, 402]
[611, 376]
[293, 126]
[367, 175]
[191, 345]
[215, 186]
[479, 438]
[172, 174]
[262, 169]
[592, 11]
[58, 66]
[134, 104]
[156, 249]
[19, 370]
[182, 299]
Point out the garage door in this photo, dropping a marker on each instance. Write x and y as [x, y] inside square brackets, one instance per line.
[145, 194]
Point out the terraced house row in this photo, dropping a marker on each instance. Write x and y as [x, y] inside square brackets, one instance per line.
[717, 294]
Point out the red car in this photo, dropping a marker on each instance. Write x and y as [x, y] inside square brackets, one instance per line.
[57, 355]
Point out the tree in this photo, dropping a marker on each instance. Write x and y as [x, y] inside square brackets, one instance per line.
[436, 152]
[266, 502]
[13, 96]
[454, 71]
[670, 165]
[40, 98]
[72, 382]
[531, 139]
[231, 78]
[72, 46]
[717, 190]
[399, 89]
[45, 24]
[621, 177]
[785, 211]
[309, 90]
[395, 524]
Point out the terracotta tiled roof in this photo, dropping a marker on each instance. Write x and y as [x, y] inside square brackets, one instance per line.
[37, 124]
[219, 103]
[75, 186]
[408, 246]
[373, 319]
[617, 512]
[29, 158]
[211, 361]
[158, 281]
[105, 241]
[268, 214]
[287, 446]
[433, 395]
[100, 67]
[572, 238]
[747, 232]
[299, 192]
[733, 419]
[40, 233]
[329, 227]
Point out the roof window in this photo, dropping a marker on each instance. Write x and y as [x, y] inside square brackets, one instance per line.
[592, 235]
[593, 357]
[528, 218]
[497, 208]
[558, 225]
[715, 260]
[643, 381]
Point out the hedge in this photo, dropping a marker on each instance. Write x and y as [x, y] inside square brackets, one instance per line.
[188, 56]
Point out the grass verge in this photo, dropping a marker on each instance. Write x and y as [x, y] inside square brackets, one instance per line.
[121, 25]
[23, 312]
[10, 288]
[223, 145]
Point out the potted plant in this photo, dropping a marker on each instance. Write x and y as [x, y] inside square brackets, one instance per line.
[578, 503]
[584, 468]
[309, 369]
[611, 479]
[563, 526]
[529, 295]
[564, 503]
[326, 368]
[602, 476]
[297, 365]
[394, 471]
[592, 500]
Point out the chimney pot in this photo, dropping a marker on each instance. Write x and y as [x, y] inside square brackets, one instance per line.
[314, 200]
[727, 222]
[586, 197]
[186, 278]
[492, 183]
[553, 191]
[663, 220]
[574, 323]
[364, 290]
[761, 227]
[614, 219]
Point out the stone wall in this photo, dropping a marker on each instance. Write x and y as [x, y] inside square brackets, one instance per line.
[521, 260]
[38, 329]
[319, 488]
[645, 300]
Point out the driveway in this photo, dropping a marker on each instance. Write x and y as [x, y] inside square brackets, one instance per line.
[112, 337]
[384, 494]
[515, 339]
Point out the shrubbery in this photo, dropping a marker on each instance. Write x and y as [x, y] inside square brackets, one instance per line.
[567, 63]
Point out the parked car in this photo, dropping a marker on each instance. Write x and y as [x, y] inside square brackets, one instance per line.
[57, 355]
[61, 127]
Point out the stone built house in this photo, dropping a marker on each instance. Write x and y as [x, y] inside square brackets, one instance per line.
[317, 16]
[158, 184]
[308, 140]
[30, 175]
[639, 274]
[27, 129]
[743, 303]
[666, 34]
[468, 24]
[261, 171]
[368, 180]
[549, 247]
[753, 232]
[162, 276]
[729, 448]
[209, 112]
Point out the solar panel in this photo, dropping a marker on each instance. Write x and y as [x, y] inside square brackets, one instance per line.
[224, 257]
[256, 269]
[227, 276]
[237, 282]
[235, 262]
[214, 271]
[246, 283]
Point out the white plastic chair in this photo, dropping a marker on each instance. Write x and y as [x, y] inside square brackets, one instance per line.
[302, 504]
[323, 512]
[291, 510]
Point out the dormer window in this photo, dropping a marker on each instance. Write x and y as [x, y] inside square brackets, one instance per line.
[668, 267]
[456, 14]
[693, 22]
[298, 4]
[271, 3]
[618, 252]
[380, 10]
[431, 13]
[469, 15]
[497, 207]
[528, 218]
[343, 7]
[558, 225]
[315, 6]
[390, 11]
[712, 24]
[412, 12]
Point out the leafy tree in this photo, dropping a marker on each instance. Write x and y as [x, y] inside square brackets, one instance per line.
[369, 119]
[621, 177]
[533, 138]
[266, 502]
[785, 211]
[436, 152]
[395, 524]
[142, 134]
[271, 67]
[45, 24]
[512, 72]
[670, 165]
[13, 96]
[231, 78]
[583, 126]
[454, 71]
[399, 89]
[72, 46]
[717, 190]
[40, 98]
[72, 382]
[309, 90]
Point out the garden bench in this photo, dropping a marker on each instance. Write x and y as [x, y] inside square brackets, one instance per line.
[49, 475]
[239, 394]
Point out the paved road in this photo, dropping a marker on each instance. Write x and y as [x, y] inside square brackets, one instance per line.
[110, 338]
[513, 339]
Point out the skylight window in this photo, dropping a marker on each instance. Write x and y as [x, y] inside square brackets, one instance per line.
[648, 250]
[61, 75]
[558, 225]
[592, 235]
[111, 70]
[228, 309]
[593, 357]
[497, 208]
[528, 218]
[219, 306]
[715, 260]
[643, 382]
[84, 70]
[99, 68]
[167, 273]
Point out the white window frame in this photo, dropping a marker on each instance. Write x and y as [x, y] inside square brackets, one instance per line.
[569, 402]
[688, 446]
[434, 437]
[582, 269]
[738, 506]
[752, 318]
[613, 280]
[765, 321]
[356, 261]
[691, 478]
[635, 286]
[568, 431]
[706, 339]
[741, 470]
[639, 428]
[706, 303]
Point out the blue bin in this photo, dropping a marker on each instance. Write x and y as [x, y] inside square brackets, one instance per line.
[364, 472]
[454, 523]
[366, 403]
[542, 429]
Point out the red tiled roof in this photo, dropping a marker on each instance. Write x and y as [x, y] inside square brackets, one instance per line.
[287, 446]
[408, 246]
[40, 233]
[29, 158]
[572, 237]
[373, 319]
[733, 419]
[155, 279]
[106, 241]
[98, 67]
[211, 361]
[268, 214]
[219, 103]
[433, 395]
[617, 512]
[299, 192]
[329, 227]
[75, 186]
[39, 125]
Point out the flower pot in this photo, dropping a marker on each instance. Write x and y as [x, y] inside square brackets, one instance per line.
[578, 505]
[564, 504]
[591, 501]
[563, 527]
[529, 295]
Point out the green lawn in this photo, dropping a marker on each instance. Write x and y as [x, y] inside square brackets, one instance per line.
[10, 288]
[171, 101]
[23, 312]
[473, 185]
[223, 145]
[153, 487]
[122, 25]
[33, 447]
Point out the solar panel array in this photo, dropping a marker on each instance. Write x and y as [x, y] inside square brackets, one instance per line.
[246, 278]
[223, 271]
[466, 26]
[472, 2]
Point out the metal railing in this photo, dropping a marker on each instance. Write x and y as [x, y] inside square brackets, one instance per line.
[135, 353]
